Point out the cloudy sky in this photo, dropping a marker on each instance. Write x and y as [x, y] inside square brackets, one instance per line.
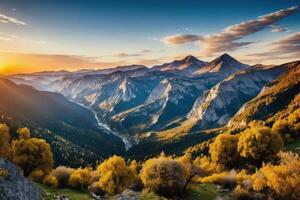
[38, 35]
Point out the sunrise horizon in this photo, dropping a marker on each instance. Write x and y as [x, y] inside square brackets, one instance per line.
[33, 39]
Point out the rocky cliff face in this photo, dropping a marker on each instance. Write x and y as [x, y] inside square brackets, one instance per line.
[272, 99]
[14, 186]
[216, 107]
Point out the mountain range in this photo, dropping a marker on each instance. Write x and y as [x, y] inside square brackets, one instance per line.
[165, 105]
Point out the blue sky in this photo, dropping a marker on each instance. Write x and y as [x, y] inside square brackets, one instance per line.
[107, 33]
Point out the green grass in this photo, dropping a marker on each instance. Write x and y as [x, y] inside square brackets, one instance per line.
[150, 196]
[196, 192]
[50, 193]
[204, 192]
[293, 146]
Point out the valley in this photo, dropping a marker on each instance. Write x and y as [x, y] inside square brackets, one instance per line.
[161, 106]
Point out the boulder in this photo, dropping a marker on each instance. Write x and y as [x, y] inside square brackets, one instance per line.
[127, 195]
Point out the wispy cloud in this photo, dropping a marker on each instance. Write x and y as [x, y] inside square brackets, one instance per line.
[227, 40]
[142, 52]
[13, 38]
[181, 38]
[276, 29]
[125, 55]
[7, 19]
[7, 37]
[39, 42]
[288, 46]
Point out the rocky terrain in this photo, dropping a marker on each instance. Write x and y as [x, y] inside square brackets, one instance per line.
[14, 186]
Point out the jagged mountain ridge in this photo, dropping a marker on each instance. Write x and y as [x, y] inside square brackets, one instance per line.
[187, 65]
[225, 64]
[142, 101]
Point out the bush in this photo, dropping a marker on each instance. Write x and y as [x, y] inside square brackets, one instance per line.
[164, 175]
[240, 193]
[50, 181]
[62, 175]
[79, 179]
[115, 175]
[226, 179]
[223, 151]
[206, 166]
[259, 144]
[37, 175]
[283, 180]
[5, 151]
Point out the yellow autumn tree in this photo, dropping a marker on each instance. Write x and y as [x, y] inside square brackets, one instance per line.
[282, 181]
[79, 179]
[164, 175]
[136, 183]
[50, 181]
[288, 126]
[223, 151]
[259, 144]
[192, 169]
[31, 153]
[5, 150]
[115, 175]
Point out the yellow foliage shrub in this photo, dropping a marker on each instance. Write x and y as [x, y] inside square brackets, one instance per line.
[164, 176]
[5, 150]
[37, 175]
[115, 175]
[79, 179]
[206, 166]
[228, 179]
[50, 181]
[282, 180]
[260, 144]
[223, 151]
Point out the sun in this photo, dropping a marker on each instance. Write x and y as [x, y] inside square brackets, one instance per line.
[2, 67]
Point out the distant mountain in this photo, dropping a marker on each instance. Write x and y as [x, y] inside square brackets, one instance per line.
[45, 80]
[59, 121]
[225, 64]
[164, 102]
[122, 68]
[187, 66]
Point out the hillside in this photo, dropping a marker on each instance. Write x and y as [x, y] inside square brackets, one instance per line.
[71, 129]
[275, 97]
